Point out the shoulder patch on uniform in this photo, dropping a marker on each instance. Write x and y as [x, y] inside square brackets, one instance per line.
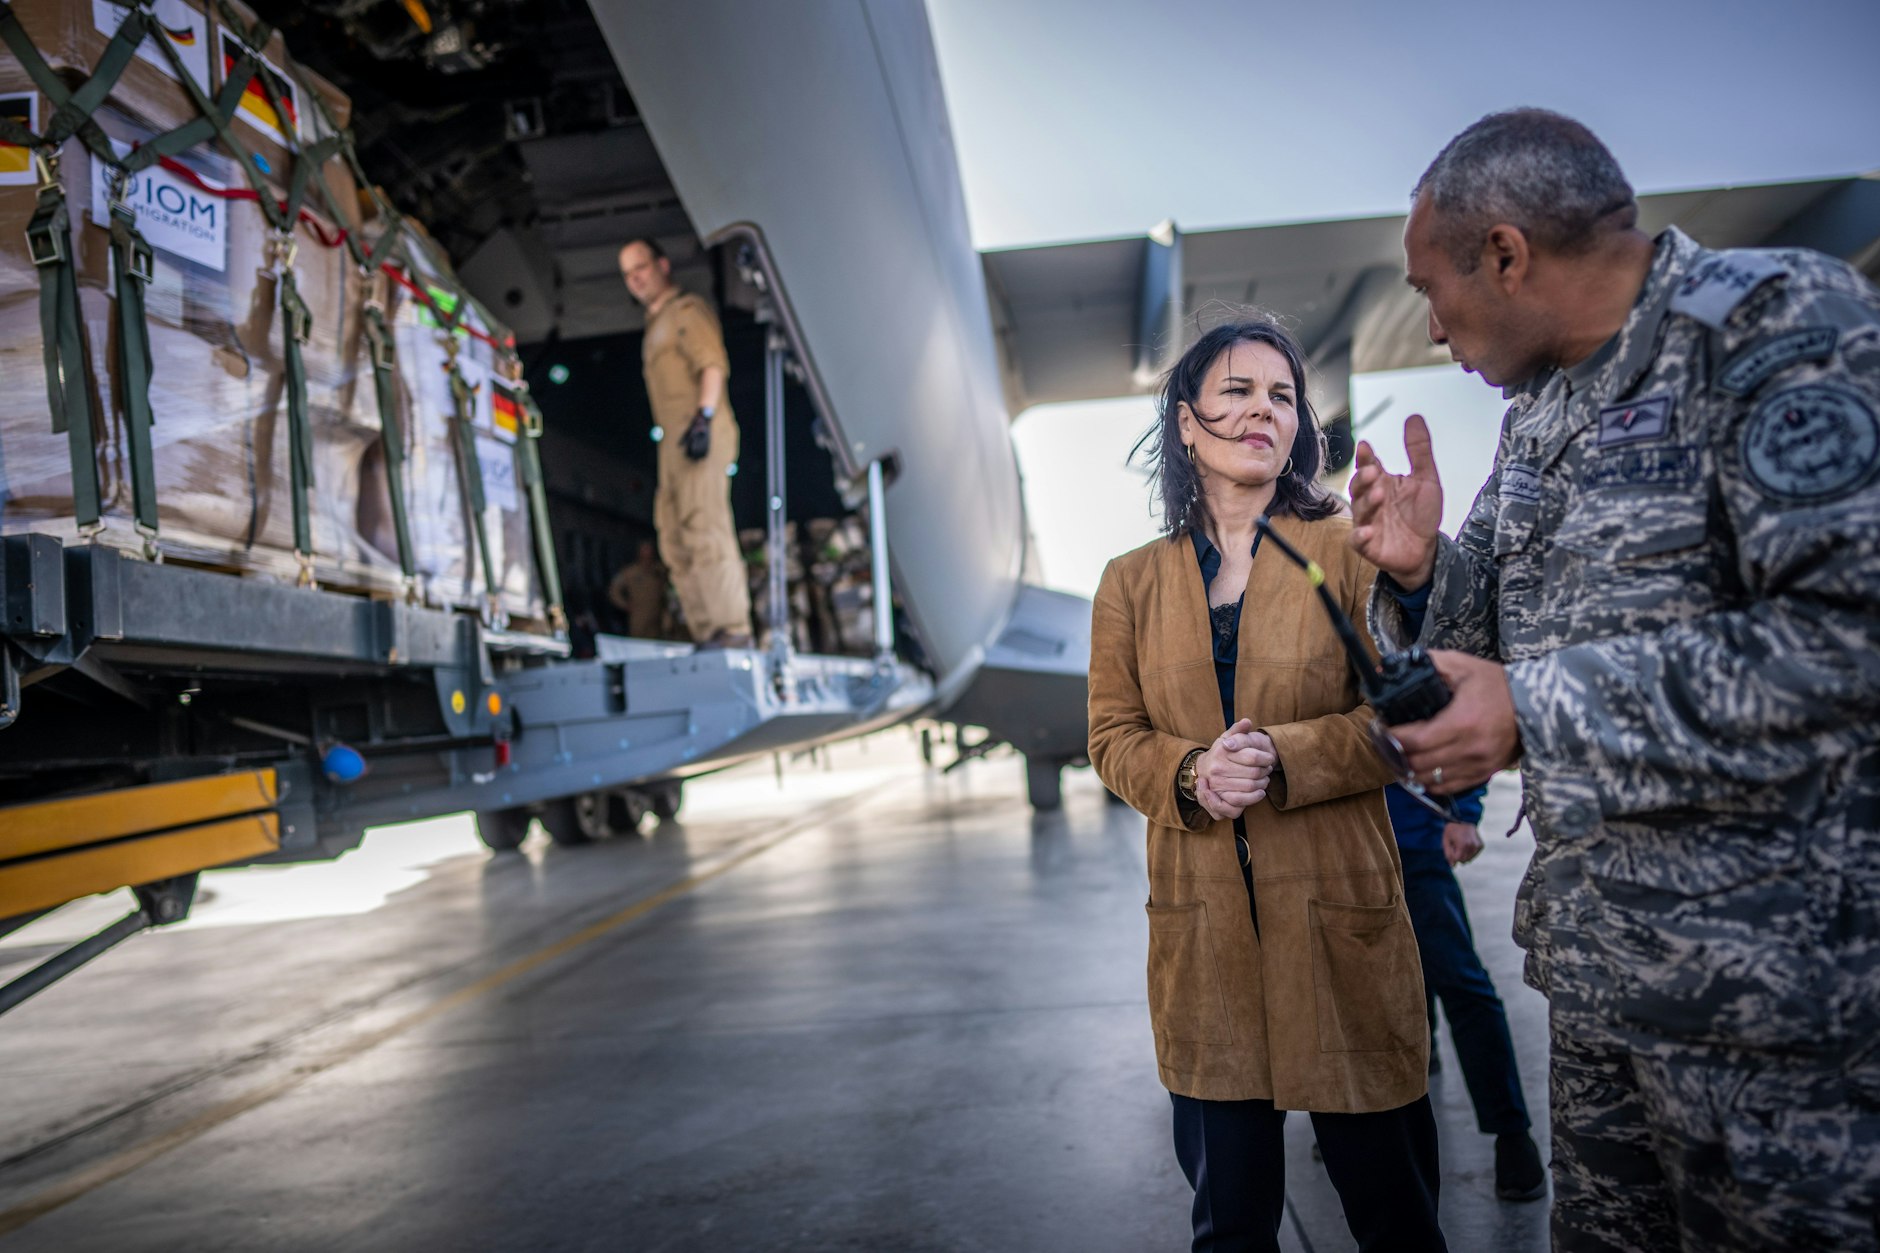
[1721, 282]
[1635, 421]
[1812, 443]
[1753, 366]
[1519, 482]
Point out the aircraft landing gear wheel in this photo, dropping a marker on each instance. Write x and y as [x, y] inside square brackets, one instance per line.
[562, 821]
[667, 797]
[1044, 783]
[503, 830]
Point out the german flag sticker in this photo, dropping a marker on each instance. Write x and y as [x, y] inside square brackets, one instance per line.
[179, 34]
[16, 163]
[255, 105]
[506, 410]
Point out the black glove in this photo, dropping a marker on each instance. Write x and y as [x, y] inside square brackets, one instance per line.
[697, 440]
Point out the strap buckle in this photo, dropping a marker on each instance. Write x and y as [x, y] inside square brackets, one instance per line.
[299, 323]
[48, 167]
[296, 318]
[384, 355]
[115, 183]
[143, 260]
[44, 244]
[284, 249]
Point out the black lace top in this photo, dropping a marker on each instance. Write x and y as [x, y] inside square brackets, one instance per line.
[1225, 621]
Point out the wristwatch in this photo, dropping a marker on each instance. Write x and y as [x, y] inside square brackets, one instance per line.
[1185, 777]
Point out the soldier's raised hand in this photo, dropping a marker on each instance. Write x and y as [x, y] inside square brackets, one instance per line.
[1395, 517]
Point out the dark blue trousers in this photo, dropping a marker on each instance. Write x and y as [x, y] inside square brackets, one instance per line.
[1454, 975]
[1383, 1166]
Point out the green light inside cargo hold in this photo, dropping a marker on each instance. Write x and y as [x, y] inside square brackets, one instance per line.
[558, 373]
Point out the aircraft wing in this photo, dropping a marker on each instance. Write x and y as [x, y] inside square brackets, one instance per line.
[1070, 318]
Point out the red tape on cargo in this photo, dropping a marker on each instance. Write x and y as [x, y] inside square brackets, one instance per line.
[333, 237]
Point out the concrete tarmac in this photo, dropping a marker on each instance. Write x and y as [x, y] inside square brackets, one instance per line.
[872, 1008]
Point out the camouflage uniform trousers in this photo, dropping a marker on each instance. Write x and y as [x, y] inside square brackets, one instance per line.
[1705, 1149]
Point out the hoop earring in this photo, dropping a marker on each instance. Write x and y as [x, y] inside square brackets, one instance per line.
[1288, 468]
[1191, 453]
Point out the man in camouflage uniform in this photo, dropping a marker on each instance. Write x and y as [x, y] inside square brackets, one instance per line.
[1665, 606]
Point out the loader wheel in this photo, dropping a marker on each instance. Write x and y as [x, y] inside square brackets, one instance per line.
[667, 797]
[563, 823]
[503, 830]
[625, 808]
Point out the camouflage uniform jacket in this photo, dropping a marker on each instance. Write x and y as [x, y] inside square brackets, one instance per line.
[1678, 558]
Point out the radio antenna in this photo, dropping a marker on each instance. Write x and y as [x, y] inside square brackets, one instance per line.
[1341, 623]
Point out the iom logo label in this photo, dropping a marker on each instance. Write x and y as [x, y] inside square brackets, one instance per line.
[183, 221]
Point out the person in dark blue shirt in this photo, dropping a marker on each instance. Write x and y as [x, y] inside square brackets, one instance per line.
[1454, 975]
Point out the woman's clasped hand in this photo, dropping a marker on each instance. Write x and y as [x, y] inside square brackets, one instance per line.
[1235, 771]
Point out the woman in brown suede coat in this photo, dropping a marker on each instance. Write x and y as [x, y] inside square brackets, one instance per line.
[1283, 973]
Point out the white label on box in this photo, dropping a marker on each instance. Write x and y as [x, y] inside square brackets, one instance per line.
[16, 163]
[498, 463]
[175, 217]
[255, 108]
[180, 23]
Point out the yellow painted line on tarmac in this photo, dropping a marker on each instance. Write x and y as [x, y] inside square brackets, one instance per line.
[124, 1162]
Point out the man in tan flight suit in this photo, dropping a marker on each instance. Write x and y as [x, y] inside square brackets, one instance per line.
[684, 360]
[639, 591]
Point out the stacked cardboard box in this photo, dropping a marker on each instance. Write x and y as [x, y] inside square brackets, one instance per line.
[444, 536]
[220, 435]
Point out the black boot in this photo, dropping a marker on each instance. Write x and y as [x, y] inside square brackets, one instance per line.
[1519, 1175]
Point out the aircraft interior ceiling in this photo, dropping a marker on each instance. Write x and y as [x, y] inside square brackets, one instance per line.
[526, 157]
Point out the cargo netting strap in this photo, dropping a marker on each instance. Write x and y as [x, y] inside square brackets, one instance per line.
[136, 265]
[470, 470]
[529, 469]
[391, 431]
[62, 335]
[49, 240]
[71, 109]
[296, 330]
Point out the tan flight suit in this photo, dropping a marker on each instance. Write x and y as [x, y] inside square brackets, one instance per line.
[640, 589]
[692, 508]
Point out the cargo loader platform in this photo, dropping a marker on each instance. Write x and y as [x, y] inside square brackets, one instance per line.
[138, 681]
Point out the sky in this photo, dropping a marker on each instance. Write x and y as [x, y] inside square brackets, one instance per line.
[1079, 119]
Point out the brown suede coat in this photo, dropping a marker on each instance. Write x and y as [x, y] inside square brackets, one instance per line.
[1323, 1009]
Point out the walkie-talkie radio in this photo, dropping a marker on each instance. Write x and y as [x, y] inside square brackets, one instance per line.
[1401, 687]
